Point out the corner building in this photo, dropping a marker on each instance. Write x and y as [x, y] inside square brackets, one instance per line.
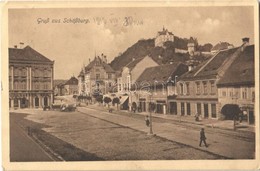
[30, 78]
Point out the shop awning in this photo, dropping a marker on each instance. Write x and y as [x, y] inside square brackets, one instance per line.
[123, 99]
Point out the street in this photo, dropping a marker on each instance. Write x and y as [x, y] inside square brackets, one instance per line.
[111, 136]
[22, 147]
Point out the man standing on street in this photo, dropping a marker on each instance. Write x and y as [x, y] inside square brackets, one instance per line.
[203, 137]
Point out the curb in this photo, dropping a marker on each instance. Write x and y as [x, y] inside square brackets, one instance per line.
[185, 121]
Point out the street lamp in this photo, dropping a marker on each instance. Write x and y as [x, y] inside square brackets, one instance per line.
[150, 114]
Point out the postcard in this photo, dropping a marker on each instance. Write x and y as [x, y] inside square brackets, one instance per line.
[130, 85]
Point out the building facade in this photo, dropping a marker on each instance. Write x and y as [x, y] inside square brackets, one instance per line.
[155, 85]
[237, 86]
[30, 78]
[132, 71]
[96, 78]
[199, 91]
[71, 86]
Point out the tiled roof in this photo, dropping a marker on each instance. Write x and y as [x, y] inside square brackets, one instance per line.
[164, 32]
[161, 74]
[209, 69]
[58, 82]
[133, 63]
[221, 46]
[72, 81]
[27, 54]
[98, 61]
[241, 70]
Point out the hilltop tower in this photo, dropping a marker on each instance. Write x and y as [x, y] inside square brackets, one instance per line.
[191, 46]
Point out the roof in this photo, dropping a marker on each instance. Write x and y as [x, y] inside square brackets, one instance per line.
[191, 40]
[27, 54]
[98, 62]
[58, 82]
[164, 32]
[133, 63]
[209, 68]
[162, 73]
[221, 46]
[72, 81]
[241, 71]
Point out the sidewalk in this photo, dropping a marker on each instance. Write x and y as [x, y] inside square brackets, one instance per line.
[213, 123]
[219, 144]
[23, 148]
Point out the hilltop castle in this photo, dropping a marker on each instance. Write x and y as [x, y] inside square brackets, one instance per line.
[162, 37]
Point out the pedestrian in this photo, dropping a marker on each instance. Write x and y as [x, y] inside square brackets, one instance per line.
[203, 137]
[147, 121]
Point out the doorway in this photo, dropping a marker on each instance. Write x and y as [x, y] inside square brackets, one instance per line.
[206, 110]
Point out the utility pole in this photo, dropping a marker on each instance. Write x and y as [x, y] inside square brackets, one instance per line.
[150, 115]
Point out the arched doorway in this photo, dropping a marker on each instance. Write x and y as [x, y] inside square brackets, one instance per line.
[23, 103]
[16, 102]
[45, 101]
[37, 102]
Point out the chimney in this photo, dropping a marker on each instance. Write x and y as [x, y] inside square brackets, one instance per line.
[245, 41]
[105, 58]
[15, 46]
[21, 45]
[190, 67]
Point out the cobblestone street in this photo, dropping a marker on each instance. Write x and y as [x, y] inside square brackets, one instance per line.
[118, 137]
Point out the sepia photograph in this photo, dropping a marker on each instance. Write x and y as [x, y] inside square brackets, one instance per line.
[148, 83]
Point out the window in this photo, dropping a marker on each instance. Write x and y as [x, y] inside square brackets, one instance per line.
[181, 88]
[16, 85]
[253, 96]
[188, 108]
[23, 85]
[24, 72]
[197, 88]
[97, 76]
[97, 70]
[224, 93]
[109, 84]
[16, 102]
[188, 88]
[46, 86]
[205, 88]
[244, 93]
[128, 82]
[199, 108]
[230, 93]
[182, 109]
[213, 111]
[36, 85]
[109, 76]
[212, 87]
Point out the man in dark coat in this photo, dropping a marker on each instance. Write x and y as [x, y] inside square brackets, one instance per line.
[203, 137]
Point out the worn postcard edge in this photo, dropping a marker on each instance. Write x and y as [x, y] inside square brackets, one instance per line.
[120, 165]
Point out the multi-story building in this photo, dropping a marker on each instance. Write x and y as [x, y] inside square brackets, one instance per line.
[197, 89]
[129, 75]
[71, 86]
[155, 85]
[132, 71]
[237, 86]
[162, 37]
[30, 78]
[96, 78]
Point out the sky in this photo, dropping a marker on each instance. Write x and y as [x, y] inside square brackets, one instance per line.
[72, 37]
